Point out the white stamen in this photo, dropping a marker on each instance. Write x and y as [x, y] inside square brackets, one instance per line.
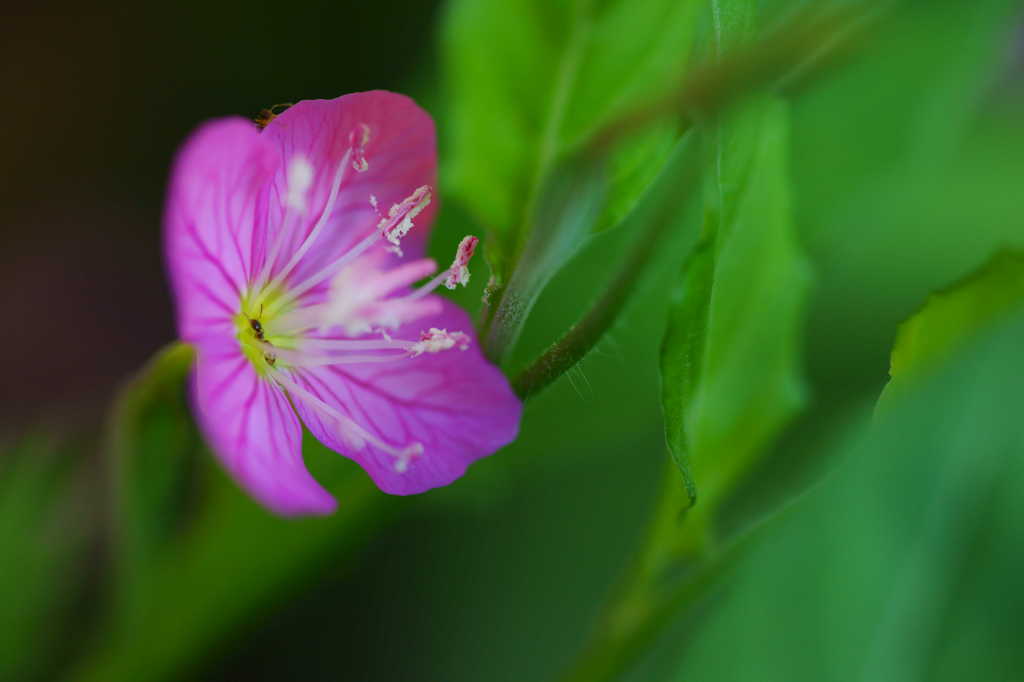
[294, 293]
[438, 340]
[401, 215]
[355, 344]
[299, 179]
[356, 435]
[402, 463]
[394, 227]
[458, 273]
[358, 139]
[359, 301]
[300, 359]
[297, 321]
[325, 216]
[275, 250]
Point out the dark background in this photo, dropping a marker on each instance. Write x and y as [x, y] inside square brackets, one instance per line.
[97, 99]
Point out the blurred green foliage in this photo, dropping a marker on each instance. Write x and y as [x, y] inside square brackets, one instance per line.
[154, 466]
[609, 266]
[45, 534]
[951, 317]
[731, 366]
[531, 79]
[915, 557]
[176, 591]
[648, 261]
[531, 84]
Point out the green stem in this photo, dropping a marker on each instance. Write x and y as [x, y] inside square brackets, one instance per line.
[643, 605]
[785, 60]
[564, 353]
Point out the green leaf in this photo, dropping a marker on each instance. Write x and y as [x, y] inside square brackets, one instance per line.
[236, 560]
[531, 79]
[947, 49]
[629, 129]
[682, 349]
[568, 209]
[42, 533]
[731, 360]
[154, 450]
[637, 164]
[887, 222]
[732, 23]
[195, 571]
[954, 316]
[603, 275]
[908, 189]
[902, 564]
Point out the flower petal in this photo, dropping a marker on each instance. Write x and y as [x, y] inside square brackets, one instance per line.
[252, 428]
[455, 403]
[400, 153]
[214, 219]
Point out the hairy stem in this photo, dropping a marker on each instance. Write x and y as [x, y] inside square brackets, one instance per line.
[789, 57]
[564, 353]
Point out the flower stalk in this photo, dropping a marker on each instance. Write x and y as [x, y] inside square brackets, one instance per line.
[656, 214]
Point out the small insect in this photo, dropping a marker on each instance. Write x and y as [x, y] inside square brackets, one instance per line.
[257, 330]
[267, 115]
[257, 326]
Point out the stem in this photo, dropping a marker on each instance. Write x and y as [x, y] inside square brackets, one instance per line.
[610, 654]
[785, 59]
[564, 353]
[643, 605]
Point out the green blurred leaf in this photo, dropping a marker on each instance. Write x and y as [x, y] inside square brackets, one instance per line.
[568, 208]
[530, 82]
[634, 139]
[154, 451]
[732, 353]
[640, 160]
[891, 230]
[573, 414]
[947, 49]
[192, 578]
[602, 275]
[42, 535]
[902, 190]
[236, 561]
[682, 349]
[903, 564]
[532, 78]
[953, 316]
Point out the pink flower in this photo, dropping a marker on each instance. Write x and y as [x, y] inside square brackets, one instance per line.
[285, 255]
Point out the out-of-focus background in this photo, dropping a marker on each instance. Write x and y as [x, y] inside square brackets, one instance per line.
[98, 98]
[889, 556]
